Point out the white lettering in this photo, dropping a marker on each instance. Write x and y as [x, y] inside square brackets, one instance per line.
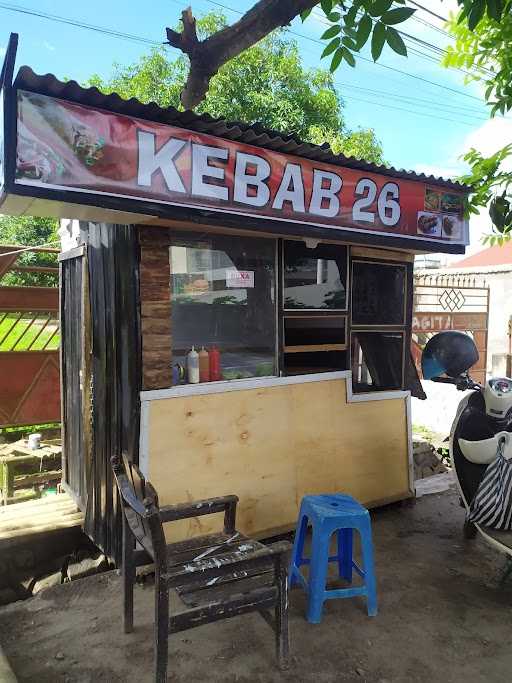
[243, 181]
[151, 161]
[295, 194]
[201, 169]
[329, 193]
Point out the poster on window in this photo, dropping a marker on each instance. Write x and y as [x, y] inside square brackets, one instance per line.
[65, 146]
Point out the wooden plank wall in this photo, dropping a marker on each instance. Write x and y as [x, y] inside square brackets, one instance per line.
[271, 446]
[155, 306]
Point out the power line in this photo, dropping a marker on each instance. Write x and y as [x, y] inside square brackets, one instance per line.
[79, 24]
[127, 36]
[429, 11]
[364, 59]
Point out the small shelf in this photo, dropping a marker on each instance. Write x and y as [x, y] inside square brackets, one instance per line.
[314, 348]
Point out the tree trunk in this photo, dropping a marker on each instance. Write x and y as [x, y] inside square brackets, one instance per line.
[207, 56]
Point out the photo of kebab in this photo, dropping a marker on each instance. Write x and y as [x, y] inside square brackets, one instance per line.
[428, 224]
[451, 227]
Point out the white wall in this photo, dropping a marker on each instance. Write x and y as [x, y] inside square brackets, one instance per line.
[438, 411]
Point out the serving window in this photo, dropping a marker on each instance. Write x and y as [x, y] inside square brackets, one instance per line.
[223, 300]
[217, 307]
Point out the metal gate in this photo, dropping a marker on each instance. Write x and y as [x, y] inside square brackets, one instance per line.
[29, 341]
[451, 302]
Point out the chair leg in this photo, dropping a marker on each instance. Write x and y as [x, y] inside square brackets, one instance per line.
[128, 569]
[161, 630]
[298, 549]
[369, 569]
[345, 550]
[281, 615]
[317, 575]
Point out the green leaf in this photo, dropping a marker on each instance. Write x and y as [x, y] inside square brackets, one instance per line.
[398, 15]
[334, 16]
[395, 42]
[350, 16]
[336, 60]
[349, 42]
[494, 9]
[331, 47]
[363, 31]
[378, 40]
[349, 57]
[476, 13]
[378, 7]
[327, 5]
[305, 14]
[331, 32]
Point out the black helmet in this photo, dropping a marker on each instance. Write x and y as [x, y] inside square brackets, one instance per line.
[450, 353]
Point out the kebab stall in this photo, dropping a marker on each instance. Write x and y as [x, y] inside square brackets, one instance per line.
[236, 304]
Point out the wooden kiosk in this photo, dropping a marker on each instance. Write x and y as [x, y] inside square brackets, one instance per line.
[290, 265]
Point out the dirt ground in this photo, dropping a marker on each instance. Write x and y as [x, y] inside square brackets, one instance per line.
[443, 616]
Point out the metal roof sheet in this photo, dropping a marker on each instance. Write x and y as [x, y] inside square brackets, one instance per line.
[249, 133]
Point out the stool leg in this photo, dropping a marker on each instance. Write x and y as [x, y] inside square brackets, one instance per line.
[345, 549]
[317, 575]
[369, 569]
[298, 550]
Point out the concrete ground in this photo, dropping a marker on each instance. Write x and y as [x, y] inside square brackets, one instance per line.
[442, 617]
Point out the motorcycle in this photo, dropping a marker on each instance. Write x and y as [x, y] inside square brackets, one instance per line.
[482, 427]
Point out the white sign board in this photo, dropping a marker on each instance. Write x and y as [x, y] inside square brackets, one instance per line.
[240, 278]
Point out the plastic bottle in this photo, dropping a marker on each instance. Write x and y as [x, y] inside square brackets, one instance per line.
[215, 373]
[193, 366]
[204, 365]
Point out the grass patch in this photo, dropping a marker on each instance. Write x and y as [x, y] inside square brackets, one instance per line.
[30, 336]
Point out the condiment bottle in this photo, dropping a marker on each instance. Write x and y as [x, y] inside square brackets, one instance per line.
[193, 366]
[215, 374]
[204, 365]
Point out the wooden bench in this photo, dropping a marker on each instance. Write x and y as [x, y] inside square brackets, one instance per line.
[217, 576]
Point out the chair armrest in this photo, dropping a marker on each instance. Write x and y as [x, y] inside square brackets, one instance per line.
[208, 506]
[218, 565]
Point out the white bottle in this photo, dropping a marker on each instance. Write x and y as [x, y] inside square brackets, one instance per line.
[193, 366]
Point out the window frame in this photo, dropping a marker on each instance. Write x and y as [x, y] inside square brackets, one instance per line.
[321, 311]
[403, 328]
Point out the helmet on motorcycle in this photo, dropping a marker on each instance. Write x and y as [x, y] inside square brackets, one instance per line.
[450, 353]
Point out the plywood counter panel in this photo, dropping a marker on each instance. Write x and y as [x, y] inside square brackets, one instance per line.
[271, 446]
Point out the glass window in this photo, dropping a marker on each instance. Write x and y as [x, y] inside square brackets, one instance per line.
[223, 299]
[314, 279]
[377, 361]
[378, 293]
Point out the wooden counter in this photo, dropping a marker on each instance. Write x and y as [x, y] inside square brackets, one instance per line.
[271, 442]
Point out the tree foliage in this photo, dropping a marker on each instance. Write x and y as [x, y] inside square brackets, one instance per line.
[267, 84]
[30, 231]
[483, 44]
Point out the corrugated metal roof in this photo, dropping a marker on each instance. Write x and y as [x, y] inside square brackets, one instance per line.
[253, 134]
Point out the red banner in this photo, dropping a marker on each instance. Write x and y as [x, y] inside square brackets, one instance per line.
[72, 147]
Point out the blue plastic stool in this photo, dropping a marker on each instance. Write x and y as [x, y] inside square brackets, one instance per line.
[327, 514]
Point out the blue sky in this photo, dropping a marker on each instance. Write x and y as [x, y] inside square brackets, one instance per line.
[422, 126]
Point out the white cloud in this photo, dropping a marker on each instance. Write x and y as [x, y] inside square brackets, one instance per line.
[48, 46]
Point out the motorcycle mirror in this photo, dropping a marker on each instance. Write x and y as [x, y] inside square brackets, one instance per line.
[449, 353]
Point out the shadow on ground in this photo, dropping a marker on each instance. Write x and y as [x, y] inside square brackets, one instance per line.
[442, 617]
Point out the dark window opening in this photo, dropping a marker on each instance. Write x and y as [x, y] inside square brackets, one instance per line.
[377, 361]
[378, 293]
[314, 279]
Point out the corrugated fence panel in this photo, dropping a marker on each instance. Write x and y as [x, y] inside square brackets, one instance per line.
[114, 291]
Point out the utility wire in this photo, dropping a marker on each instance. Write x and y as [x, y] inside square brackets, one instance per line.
[79, 24]
[118, 34]
[364, 59]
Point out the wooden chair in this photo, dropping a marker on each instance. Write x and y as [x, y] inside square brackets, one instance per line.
[218, 575]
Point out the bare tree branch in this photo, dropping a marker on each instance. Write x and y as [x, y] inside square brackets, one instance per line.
[207, 56]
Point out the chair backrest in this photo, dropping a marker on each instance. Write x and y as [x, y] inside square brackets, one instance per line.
[140, 506]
